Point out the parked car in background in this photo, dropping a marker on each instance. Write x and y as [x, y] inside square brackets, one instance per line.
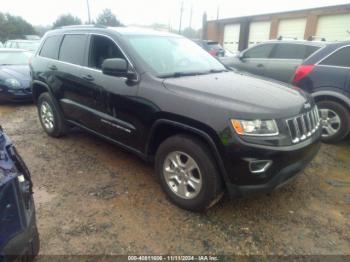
[164, 98]
[15, 75]
[277, 59]
[19, 238]
[326, 75]
[29, 45]
[212, 47]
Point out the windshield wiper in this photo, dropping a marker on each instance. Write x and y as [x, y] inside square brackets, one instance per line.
[181, 74]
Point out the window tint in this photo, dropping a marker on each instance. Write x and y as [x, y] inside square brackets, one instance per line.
[102, 48]
[261, 51]
[339, 58]
[290, 51]
[310, 50]
[51, 47]
[72, 49]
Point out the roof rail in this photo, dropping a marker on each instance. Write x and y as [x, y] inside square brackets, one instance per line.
[83, 26]
[287, 38]
[313, 38]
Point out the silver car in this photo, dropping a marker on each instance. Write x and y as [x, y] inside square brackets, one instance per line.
[275, 59]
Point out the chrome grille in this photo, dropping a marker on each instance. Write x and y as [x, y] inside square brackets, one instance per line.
[303, 126]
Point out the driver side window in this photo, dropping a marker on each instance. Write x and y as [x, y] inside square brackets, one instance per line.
[260, 51]
[102, 48]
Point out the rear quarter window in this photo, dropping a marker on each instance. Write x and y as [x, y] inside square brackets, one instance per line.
[339, 58]
[51, 47]
[260, 51]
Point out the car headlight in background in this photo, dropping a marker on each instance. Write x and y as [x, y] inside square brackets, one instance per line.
[255, 127]
[13, 83]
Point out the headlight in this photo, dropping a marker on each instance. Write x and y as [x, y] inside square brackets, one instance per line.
[255, 127]
[11, 82]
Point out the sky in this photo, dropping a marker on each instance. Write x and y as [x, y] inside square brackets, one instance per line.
[146, 12]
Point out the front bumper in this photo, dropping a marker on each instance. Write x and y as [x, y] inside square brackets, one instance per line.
[15, 95]
[286, 165]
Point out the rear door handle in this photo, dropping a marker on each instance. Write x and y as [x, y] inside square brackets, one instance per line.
[89, 78]
[260, 65]
[53, 67]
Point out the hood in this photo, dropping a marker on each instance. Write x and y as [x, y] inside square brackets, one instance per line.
[19, 72]
[242, 93]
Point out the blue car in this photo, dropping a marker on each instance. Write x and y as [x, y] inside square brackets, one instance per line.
[15, 75]
[19, 238]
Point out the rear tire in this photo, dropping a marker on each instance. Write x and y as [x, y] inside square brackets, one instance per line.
[188, 173]
[51, 118]
[335, 121]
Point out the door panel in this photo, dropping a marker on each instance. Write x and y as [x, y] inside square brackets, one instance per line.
[108, 101]
[281, 69]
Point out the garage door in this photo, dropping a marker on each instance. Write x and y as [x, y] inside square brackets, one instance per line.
[292, 28]
[259, 32]
[334, 27]
[231, 37]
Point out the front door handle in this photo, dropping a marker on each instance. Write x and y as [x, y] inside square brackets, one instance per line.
[260, 65]
[89, 78]
[53, 67]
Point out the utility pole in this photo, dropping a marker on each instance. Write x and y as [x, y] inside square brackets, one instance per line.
[218, 12]
[181, 12]
[88, 9]
[191, 13]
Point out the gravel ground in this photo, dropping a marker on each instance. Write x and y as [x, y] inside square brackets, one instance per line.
[94, 198]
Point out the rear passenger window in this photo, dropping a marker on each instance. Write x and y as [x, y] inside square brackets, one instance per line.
[339, 58]
[310, 50]
[72, 49]
[51, 47]
[289, 51]
[261, 51]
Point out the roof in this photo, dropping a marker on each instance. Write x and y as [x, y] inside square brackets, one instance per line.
[122, 30]
[297, 41]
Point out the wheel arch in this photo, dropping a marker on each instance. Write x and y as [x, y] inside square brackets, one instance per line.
[38, 88]
[332, 96]
[163, 128]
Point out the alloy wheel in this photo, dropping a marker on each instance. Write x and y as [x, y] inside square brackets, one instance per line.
[46, 115]
[182, 175]
[331, 122]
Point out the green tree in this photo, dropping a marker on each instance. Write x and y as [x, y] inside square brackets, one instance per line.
[65, 20]
[107, 18]
[191, 33]
[13, 27]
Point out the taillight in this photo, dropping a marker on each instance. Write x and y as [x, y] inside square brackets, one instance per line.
[302, 71]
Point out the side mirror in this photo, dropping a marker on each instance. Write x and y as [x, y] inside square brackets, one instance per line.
[240, 56]
[117, 67]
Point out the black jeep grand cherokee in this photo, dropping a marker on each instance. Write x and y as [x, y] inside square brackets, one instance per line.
[164, 98]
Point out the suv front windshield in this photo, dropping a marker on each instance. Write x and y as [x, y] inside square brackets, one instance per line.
[172, 55]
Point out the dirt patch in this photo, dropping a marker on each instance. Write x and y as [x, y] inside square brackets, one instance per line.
[94, 198]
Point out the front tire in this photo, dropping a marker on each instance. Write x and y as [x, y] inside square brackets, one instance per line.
[335, 121]
[188, 173]
[51, 119]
